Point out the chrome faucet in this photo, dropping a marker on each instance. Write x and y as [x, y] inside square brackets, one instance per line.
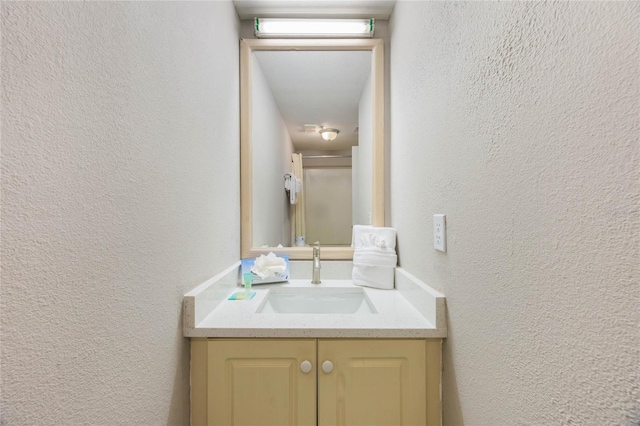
[316, 263]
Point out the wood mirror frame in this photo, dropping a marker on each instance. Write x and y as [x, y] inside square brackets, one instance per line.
[247, 46]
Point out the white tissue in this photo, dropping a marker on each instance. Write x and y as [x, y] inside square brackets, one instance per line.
[267, 266]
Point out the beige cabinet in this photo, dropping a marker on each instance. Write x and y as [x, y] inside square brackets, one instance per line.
[372, 382]
[253, 382]
[274, 382]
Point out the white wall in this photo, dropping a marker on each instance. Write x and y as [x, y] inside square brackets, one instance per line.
[271, 158]
[355, 188]
[119, 194]
[364, 179]
[519, 121]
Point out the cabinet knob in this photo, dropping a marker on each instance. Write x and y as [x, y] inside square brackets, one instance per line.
[327, 366]
[306, 366]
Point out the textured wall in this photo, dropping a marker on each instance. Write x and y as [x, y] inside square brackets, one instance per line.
[271, 158]
[119, 194]
[520, 122]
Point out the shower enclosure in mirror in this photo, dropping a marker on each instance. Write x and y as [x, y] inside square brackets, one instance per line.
[312, 114]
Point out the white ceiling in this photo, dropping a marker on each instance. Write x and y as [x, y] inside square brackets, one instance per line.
[378, 9]
[322, 88]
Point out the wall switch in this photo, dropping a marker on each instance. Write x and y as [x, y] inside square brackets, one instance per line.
[440, 232]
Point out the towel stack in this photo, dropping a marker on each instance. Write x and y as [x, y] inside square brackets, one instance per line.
[374, 257]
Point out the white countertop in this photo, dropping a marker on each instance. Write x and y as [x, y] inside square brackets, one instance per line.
[395, 316]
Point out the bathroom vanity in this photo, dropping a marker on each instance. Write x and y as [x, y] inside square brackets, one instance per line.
[315, 381]
[313, 354]
[325, 354]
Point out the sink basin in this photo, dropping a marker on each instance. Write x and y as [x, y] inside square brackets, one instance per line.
[316, 301]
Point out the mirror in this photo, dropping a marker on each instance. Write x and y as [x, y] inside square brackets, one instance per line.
[291, 90]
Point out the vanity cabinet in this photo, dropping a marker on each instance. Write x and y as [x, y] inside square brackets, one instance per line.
[260, 382]
[315, 381]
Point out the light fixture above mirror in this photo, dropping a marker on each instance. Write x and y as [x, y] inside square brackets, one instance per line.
[313, 28]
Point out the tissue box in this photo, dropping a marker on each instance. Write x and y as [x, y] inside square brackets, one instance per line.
[247, 264]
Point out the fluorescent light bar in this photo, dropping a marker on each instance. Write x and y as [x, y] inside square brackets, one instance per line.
[313, 28]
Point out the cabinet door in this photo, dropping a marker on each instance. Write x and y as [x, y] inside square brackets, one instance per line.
[260, 382]
[373, 382]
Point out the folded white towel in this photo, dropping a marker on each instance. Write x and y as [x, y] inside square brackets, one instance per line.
[374, 267]
[373, 236]
[373, 276]
[372, 256]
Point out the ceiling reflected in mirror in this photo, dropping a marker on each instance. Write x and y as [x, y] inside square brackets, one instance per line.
[317, 88]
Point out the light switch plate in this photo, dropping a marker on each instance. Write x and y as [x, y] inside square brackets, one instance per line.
[440, 232]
